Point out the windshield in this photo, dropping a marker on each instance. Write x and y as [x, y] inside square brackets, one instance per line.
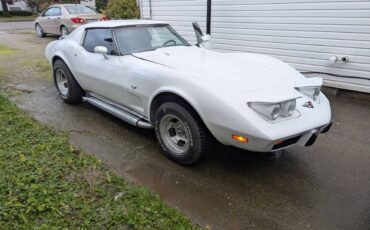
[79, 9]
[148, 37]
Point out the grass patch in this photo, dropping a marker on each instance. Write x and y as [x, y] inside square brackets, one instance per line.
[6, 50]
[41, 66]
[3, 73]
[47, 184]
[17, 18]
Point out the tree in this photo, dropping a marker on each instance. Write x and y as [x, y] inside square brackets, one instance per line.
[33, 4]
[101, 4]
[5, 8]
[122, 9]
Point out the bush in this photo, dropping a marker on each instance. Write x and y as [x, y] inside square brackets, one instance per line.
[18, 13]
[122, 9]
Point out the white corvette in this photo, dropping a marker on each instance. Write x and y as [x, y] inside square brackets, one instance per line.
[149, 76]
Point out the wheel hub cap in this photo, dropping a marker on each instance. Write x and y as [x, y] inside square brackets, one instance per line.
[174, 134]
[61, 81]
[38, 29]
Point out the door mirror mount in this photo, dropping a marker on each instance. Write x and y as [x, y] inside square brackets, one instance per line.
[101, 50]
[205, 38]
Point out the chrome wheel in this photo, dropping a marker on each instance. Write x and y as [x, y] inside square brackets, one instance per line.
[39, 30]
[174, 134]
[64, 31]
[61, 81]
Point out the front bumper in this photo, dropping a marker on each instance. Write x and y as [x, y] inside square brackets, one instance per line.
[265, 137]
[306, 138]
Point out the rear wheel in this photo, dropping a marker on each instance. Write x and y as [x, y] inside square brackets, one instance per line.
[69, 90]
[39, 31]
[64, 31]
[181, 133]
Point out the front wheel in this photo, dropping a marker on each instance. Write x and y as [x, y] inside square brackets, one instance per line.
[40, 33]
[181, 133]
[69, 90]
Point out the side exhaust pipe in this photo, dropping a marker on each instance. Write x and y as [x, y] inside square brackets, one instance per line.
[117, 112]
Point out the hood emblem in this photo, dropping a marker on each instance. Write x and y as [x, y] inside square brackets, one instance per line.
[308, 104]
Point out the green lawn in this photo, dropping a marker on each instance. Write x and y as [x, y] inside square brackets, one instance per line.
[45, 183]
[17, 18]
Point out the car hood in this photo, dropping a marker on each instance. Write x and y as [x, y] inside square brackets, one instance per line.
[236, 72]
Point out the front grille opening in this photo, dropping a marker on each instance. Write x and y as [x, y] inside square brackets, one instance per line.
[326, 129]
[287, 142]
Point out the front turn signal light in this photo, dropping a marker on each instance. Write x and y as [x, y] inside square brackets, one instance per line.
[239, 138]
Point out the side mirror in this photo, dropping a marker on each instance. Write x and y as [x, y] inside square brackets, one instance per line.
[202, 40]
[198, 32]
[101, 50]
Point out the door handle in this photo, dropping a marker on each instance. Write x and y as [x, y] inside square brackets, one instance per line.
[133, 86]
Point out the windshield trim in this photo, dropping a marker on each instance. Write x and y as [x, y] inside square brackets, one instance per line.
[114, 29]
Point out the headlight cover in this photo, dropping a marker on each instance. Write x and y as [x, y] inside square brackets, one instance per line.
[272, 111]
[311, 91]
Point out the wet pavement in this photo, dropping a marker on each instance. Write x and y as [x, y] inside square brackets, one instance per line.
[326, 186]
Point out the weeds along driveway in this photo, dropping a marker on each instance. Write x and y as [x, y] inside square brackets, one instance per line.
[47, 184]
[325, 186]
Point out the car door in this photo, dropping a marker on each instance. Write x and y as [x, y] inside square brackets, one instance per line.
[55, 20]
[101, 75]
[45, 22]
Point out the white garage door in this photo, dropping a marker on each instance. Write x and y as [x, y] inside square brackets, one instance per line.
[304, 33]
[179, 13]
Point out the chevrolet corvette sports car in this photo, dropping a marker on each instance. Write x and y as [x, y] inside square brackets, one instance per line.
[146, 74]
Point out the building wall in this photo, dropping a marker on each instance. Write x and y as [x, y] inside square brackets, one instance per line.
[304, 33]
[17, 5]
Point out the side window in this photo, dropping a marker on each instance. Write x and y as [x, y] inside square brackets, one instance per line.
[57, 11]
[99, 37]
[48, 12]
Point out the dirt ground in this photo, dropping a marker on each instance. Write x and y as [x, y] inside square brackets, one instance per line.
[326, 186]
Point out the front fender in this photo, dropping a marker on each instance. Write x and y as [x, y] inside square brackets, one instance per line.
[213, 109]
[179, 92]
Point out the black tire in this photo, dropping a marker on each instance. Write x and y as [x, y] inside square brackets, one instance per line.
[74, 91]
[61, 30]
[200, 138]
[40, 33]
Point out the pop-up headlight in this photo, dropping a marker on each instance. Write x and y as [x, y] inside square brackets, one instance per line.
[272, 111]
[310, 91]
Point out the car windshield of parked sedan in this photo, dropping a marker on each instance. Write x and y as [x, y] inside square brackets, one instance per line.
[79, 9]
[145, 38]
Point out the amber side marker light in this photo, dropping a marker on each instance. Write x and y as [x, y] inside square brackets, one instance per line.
[239, 138]
[279, 142]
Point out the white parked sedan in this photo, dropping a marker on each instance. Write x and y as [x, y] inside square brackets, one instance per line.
[149, 76]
